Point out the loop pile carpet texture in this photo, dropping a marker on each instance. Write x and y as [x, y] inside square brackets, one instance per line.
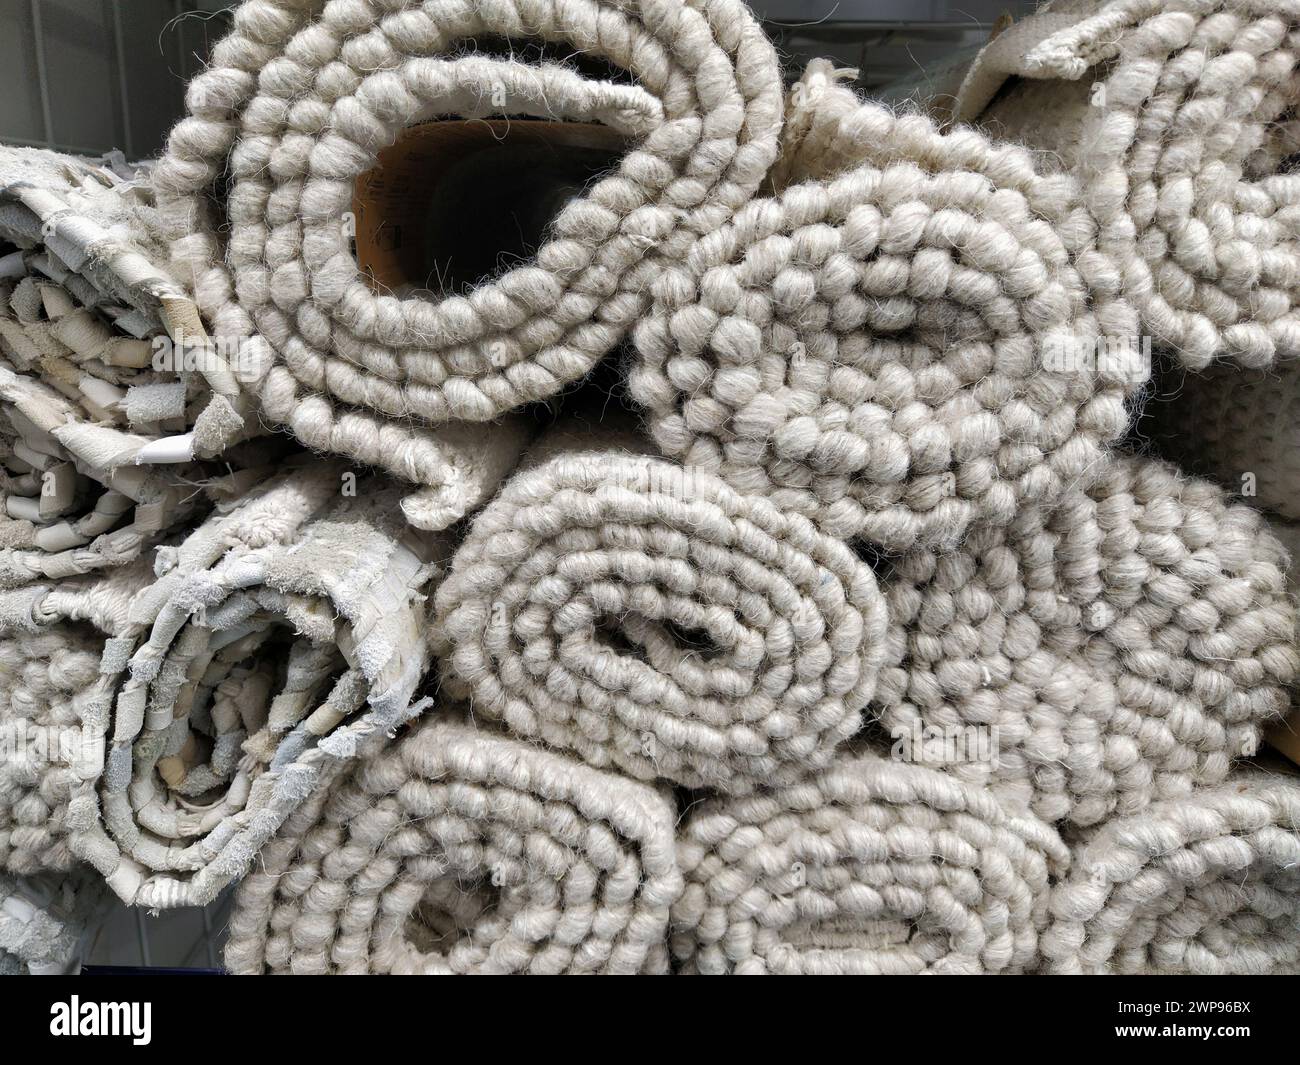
[457, 851]
[52, 640]
[1177, 117]
[870, 867]
[1208, 884]
[1124, 647]
[295, 105]
[896, 345]
[653, 620]
[44, 921]
[864, 652]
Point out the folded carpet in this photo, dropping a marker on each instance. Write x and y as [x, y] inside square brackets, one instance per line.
[52, 639]
[1176, 116]
[900, 341]
[295, 105]
[279, 639]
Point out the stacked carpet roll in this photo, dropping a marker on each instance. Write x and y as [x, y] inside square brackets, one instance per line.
[279, 640]
[900, 343]
[1124, 647]
[1177, 118]
[870, 867]
[859, 650]
[649, 618]
[458, 851]
[295, 105]
[1205, 885]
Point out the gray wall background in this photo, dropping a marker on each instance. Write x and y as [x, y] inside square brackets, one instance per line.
[87, 76]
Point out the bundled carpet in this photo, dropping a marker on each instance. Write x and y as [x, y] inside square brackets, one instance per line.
[872, 866]
[299, 99]
[52, 639]
[653, 620]
[1177, 117]
[279, 638]
[44, 921]
[1123, 648]
[1208, 884]
[899, 343]
[460, 851]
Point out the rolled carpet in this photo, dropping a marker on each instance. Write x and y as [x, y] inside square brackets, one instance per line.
[459, 851]
[870, 867]
[1177, 119]
[1123, 648]
[52, 639]
[301, 97]
[1208, 884]
[653, 620]
[281, 638]
[899, 342]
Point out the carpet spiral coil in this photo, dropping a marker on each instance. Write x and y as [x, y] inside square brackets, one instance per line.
[652, 620]
[870, 867]
[460, 851]
[300, 97]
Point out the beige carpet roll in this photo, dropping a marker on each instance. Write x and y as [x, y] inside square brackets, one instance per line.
[457, 850]
[1177, 118]
[655, 621]
[1122, 649]
[1206, 885]
[52, 640]
[301, 97]
[280, 639]
[900, 342]
[869, 867]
